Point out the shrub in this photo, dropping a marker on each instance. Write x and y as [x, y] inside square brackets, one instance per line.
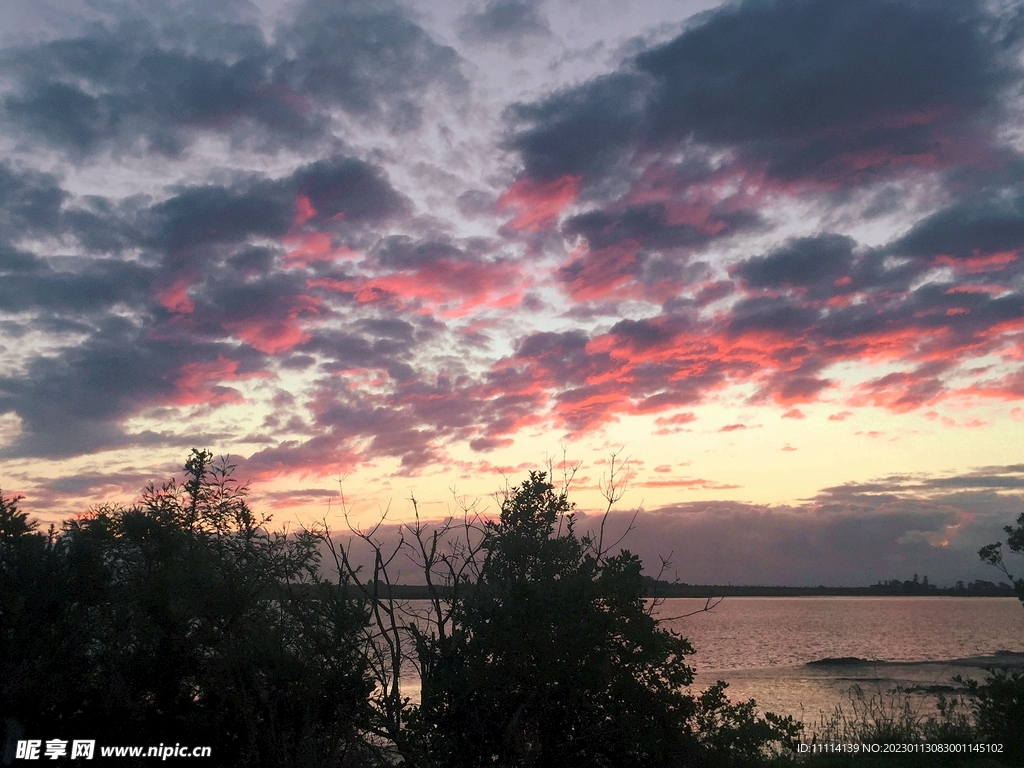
[999, 711]
[553, 659]
[182, 619]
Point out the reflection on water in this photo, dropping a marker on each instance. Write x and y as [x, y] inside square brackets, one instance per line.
[761, 645]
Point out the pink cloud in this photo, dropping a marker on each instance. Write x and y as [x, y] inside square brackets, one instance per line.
[199, 383]
[676, 419]
[693, 484]
[452, 289]
[538, 205]
[276, 335]
[176, 299]
[979, 262]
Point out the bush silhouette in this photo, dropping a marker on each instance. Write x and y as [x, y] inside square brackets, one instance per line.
[554, 659]
[993, 553]
[181, 619]
[999, 704]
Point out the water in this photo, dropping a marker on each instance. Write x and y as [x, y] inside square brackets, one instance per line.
[761, 645]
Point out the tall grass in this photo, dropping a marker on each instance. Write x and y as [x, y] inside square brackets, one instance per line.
[904, 716]
[897, 715]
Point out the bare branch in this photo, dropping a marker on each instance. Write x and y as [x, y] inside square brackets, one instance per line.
[612, 489]
[710, 603]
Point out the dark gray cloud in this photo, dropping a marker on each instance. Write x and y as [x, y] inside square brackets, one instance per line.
[73, 403]
[348, 189]
[377, 344]
[987, 222]
[33, 206]
[186, 237]
[367, 58]
[504, 21]
[780, 77]
[30, 202]
[403, 252]
[1009, 477]
[127, 88]
[151, 83]
[884, 532]
[803, 262]
[805, 89]
[340, 195]
[587, 130]
[96, 287]
[855, 541]
[650, 225]
[786, 95]
[645, 245]
[343, 193]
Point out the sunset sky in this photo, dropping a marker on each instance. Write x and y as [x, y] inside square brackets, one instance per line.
[772, 253]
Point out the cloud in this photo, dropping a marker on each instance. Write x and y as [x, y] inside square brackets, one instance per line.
[681, 145]
[74, 403]
[824, 90]
[688, 483]
[644, 249]
[981, 232]
[30, 201]
[177, 300]
[873, 532]
[795, 312]
[810, 262]
[781, 194]
[538, 204]
[584, 131]
[369, 59]
[1009, 477]
[512, 22]
[806, 89]
[154, 83]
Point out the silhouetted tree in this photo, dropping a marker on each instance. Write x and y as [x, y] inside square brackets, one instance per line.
[553, 658]
[999, 699]
[993, 553]
[182, 619]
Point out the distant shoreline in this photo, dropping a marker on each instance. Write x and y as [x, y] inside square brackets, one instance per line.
[665, 589]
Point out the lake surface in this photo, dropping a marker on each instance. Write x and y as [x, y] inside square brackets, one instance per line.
[761, 646]
[764, 646]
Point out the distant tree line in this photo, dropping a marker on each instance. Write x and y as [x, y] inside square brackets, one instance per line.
[893, 587]
[921, 586]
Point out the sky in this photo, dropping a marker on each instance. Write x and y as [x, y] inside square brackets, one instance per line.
[766, 254]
